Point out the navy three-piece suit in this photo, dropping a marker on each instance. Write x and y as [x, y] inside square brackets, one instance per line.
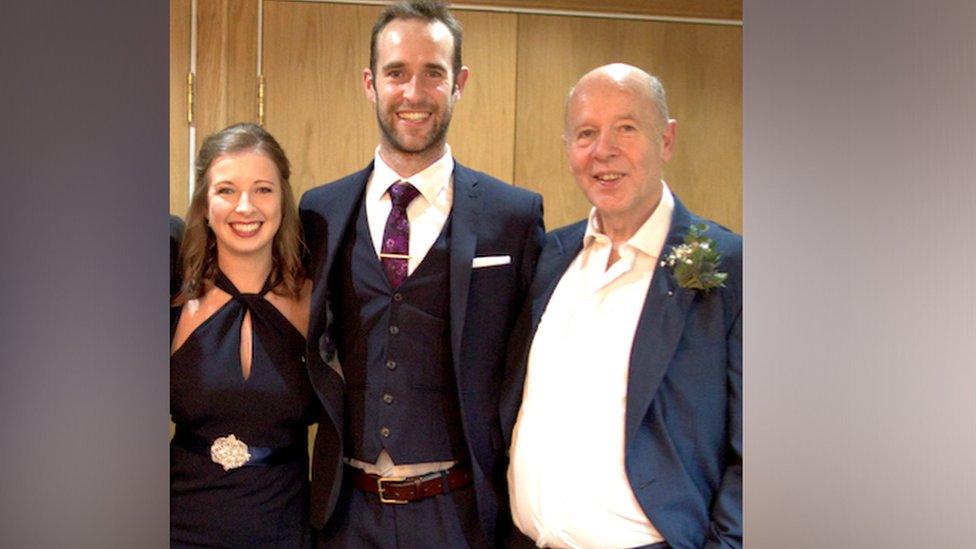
[683, 427]
[382, 334]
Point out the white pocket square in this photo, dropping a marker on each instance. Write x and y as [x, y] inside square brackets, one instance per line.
[490, 261]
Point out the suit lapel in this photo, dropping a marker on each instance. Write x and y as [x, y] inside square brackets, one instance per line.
[553, 262]
[659, 328]
[342, 208]
[465, 215]
[337, 213]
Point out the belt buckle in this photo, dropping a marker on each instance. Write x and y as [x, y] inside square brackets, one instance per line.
[379, 490]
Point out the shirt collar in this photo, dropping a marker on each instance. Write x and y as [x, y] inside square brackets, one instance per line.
[649, 238]
[430, 181]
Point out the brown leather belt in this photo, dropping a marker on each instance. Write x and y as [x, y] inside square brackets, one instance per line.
[405, 490]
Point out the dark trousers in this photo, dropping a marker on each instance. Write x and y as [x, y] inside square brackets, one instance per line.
[361, 521]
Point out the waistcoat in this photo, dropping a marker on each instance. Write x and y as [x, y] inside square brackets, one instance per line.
[394, 347]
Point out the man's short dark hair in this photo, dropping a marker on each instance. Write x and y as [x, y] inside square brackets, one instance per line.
[427, 10]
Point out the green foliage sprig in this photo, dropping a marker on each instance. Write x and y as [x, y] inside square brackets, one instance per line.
[695, 263]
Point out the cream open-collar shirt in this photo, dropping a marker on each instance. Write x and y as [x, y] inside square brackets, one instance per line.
[567, 480]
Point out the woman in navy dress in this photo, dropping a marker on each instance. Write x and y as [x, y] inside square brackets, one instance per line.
[240, 395]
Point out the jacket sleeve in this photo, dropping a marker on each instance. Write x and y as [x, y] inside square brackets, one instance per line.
[313, 234]
[725, 529]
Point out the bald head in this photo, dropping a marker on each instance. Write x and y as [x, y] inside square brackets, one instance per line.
[622, 77]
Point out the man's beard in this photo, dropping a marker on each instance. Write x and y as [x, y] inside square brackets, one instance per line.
[435, 139]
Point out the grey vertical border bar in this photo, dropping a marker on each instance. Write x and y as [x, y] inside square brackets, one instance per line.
[860, 195]
[83, 335]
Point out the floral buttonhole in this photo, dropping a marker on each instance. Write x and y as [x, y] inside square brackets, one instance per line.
[695, 263]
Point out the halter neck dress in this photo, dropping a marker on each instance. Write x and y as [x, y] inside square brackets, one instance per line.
[255, 505]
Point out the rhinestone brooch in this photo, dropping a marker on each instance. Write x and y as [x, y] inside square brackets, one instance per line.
[229, 452]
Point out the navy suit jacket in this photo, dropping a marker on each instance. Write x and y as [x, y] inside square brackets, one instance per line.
[488, 218]
[176, 228]
[683, 426]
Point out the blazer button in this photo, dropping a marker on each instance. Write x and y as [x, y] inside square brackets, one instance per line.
[385, 432]
[388, 398]
[390, 365]
[394, 330]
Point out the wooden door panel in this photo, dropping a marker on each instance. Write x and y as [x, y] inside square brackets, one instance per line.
[699, 65]
[314, 55]
[179, 66]
[509, 120]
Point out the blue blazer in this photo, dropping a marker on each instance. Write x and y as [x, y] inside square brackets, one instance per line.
[488, 218]
[683, 426]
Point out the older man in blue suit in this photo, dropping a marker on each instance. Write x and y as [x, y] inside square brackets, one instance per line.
[629, 432]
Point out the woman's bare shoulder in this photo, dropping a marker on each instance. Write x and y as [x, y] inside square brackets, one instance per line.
[195, 312]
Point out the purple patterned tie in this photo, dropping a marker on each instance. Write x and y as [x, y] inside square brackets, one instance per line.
[396, 236]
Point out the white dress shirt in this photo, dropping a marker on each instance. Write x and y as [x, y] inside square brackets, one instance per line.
[567, 480]
[427, 214]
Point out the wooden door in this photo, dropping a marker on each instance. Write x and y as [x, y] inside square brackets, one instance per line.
[509, 120]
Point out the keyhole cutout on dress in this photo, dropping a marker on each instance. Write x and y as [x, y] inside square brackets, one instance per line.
[246, 346]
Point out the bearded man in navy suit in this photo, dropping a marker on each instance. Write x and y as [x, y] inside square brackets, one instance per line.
[629, 432]
[420, 266]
